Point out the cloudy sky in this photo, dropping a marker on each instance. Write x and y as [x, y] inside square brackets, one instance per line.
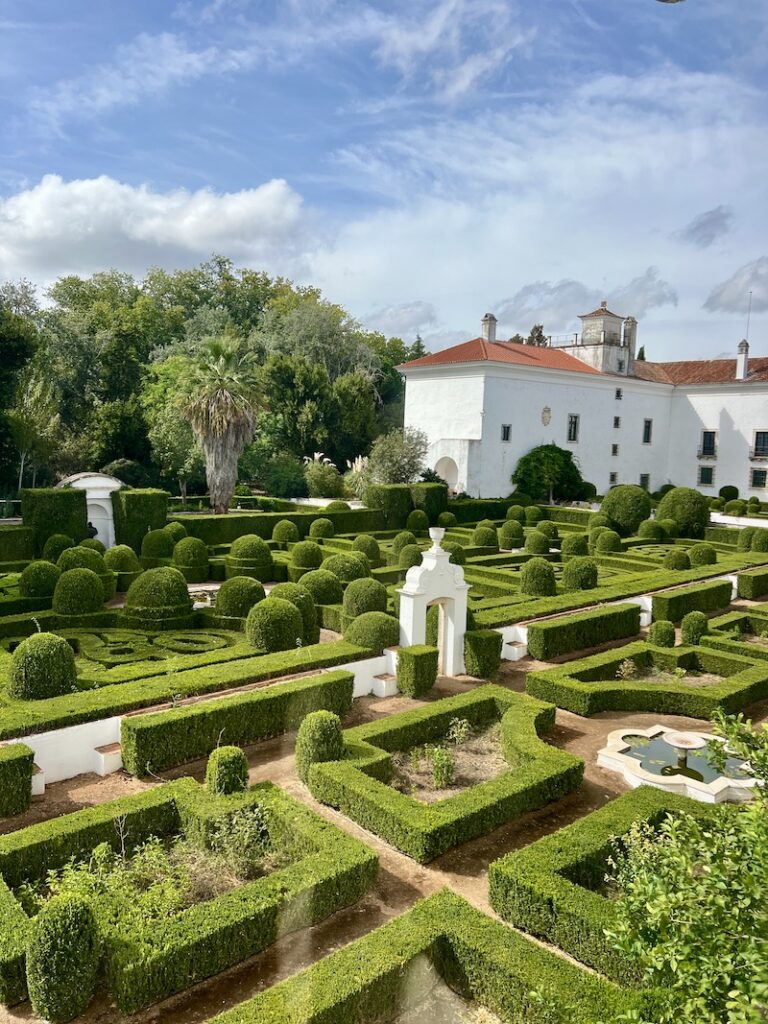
[422, 161]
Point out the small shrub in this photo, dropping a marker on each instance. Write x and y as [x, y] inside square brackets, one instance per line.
[677, 560]
[482, 652]
[574, 544]
[177, 530]
[160, 588]
[122, 559]
[459, 731]
[252, 549]
[416, 670]
[323, 480]
[337, 506]
[157, 544]
[227, 771]
[403, 539]
[536, 543]
[325, 587]
[78, 592]
[191, 556]
[237, 595]
[321, 528]
[446, 520]
[54, 546]
[487, 524]
[42, 666]
[93, 544]
[79, 557]
[485, 537]
[365, 595]
[455, 551]
[702, 554]
[320, 738]
[728, 492]
[62, 958]
[649, 529]
[347, 567]
[516, 514]
[688, 508]
[693, 627]
[274, 625]
[744, 540]
[580, 574]
[443, 767]
[759, 541]
[548, 528]
[369, 546]
[626, 507]
[598, 520]
[662, 633]
[533, 515]
[285, 533]
[537, 578]
[627, 670]
[39, 579]
[607, 542]
[374, 631]
[409, 555]
[735, 508]
[301, 598]
[670, 528]
[307, 555]
[511, 535]
[417, 522]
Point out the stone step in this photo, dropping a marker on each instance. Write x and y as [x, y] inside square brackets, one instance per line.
[384, 685]
[108, 759]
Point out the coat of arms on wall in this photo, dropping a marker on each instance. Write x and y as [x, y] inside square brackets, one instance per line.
[546, 415]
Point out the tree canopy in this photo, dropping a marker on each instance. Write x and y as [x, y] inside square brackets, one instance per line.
[550, 473]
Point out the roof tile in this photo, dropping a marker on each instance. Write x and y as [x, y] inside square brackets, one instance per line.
[479, 350]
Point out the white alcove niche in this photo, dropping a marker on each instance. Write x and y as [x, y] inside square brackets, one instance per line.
[98, 489]
[436, 581]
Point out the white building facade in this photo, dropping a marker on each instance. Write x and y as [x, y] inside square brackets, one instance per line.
[485, 403]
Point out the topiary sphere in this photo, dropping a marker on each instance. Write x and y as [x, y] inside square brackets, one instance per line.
[662, 633]
[677, 560]
[374, 631]
[347, 567]
[744, 540]
[250, 548]
[447, 520]
[737, 507]
[703, 554]
[516, 514]
[580, 574]
[487, 524]
[324, 586]
[177, 530]
[401, 540]
[510, 535]
[537, 578]
[369, 547]
[537, 543]
[759, 540]
[93, 544]
[599, 520]
[608, 541]
[728, 492]
[337, 506]
[417, 521]
[688, 508]
[226, 771]
[574, 544]
[594, 533]
[693, 627]
[670, 528]
[54, 546]
[274, 625]
[533, 515]
[237, 595]
[649, 529]
[485, 537]
[160, 590]
[78, 592]
[409, 556]
[716, 504]
[363, 596]
[82, 558]
[301, 598]
[285, 532]
[190, 551]
[548, 528]
[307, 555]
[157, 544]
[39, 579]
[320, 738]
[62, 958]
[626, 507]
[455, 551]
[321, 528]
[42, 666]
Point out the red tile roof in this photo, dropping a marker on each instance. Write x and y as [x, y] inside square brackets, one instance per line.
[478, 351]
[600, 311]
[701, 371]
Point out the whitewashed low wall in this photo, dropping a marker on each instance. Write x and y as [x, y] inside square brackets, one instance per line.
[718, 519]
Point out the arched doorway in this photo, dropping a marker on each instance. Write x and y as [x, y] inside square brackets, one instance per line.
[448, 470]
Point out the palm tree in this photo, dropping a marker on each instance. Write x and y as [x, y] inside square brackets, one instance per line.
[221, 410]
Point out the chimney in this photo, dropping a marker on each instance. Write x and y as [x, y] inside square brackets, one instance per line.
[742, 360]
[630, 341]
[489, 327]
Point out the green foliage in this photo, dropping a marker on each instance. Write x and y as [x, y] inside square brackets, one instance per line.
[397, 457]
[753, 583]
[409, 556]
[93, 544]
[321, 528]
[63, 958]
[702, 554]
[550, 638]
[394, 500]
[364, 595]
[50, 510]
[337, 506]
[482, 652]
[608, 541]
[177, 530]
[485, 537]
[39, 579]
[574, 544]
[56, 544]
[274, 625]
[136, 512]
[250, 548]
[728, 493]
[43, 666]
[78, 592]
[662, 633]
[626, 507]
[323, 480]
[190, 556]
[651, 530]
[402, 539]
[510, 535]
[157, 544]
[301, 598]
[677, 560]
[432, 498]
[455, 551]
[16, 764]
[705, 597]
[284, 477]
[347, 567]
[443, 766]
[325, 587]
[374, 631]
[688, 508]
[369, 546]
[759, 541]
[549, 472]
[307, 555]
[516, 513]
[160, 592]
[237, 595]
[548, 528]
[417, 522]
[537, 578]
[735, 508]
[670, 528]
[122, 561]
[744, 540]
[226, 771]
[693, 627]
[533, 515]
[285, 533]
[320, 738]
[536, 543]
[580, 574]
[416, 670]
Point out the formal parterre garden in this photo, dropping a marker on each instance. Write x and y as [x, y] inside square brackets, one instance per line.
[197, 635]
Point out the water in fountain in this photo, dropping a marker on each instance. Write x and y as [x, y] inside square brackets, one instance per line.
[659, 757]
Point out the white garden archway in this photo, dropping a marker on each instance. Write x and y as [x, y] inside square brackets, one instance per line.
[98, 489]
[446, 468]
[436, 581]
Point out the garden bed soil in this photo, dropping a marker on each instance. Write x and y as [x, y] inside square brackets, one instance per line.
[477, 760]
[696, 680]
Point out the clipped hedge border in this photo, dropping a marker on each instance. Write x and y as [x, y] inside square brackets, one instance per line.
[589, 685]
[330, 870]
[752, 621]
[16, 765]
[551, 889]
[480, 958]
[136, 511]
[215, 530]
[358, 786]
[164, 739]
[753, 583]
[550, 638]
[49, 510]
[672, 605]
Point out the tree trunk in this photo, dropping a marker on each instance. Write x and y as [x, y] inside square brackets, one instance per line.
[183, 492]
[21, 469]
[221, 457]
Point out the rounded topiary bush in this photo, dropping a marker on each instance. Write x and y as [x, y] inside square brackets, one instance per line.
[580, 574]
[320, 738]
[574, 544]
[516, 514]
[598, 520]
[82, 558]
[417, 521]
[54, 546]
[649, 529]
[537, 543]
[608, 541]
[337, 506]
[485, 537]
[157, 595]
[374, 631]
[455, 551]
[688, 508]
[548, 528]
[301, 598]
[123, 561]
[537, 578]
[594, 534]
[369, 547]
[446, 520]
[402, 539]
[702, 554]
[321, 528]
[307, 555]
[62, 961]
[274, 625]
[662, 633]
[488, 524]
[728, 492]
[363, 596]
[759, 541]
[677, 560]
[511, 535]
[346, 567]
[285, 533]
[626, 507]
[670, 528]
[42, 666]
[409, 555]
[157, 544]
[716, 504]
[693, 627]
[237, 595]
[78, 592]
[227, 771]
[744, 540]
[190, 556]
[533, 515]
[325, 587]
[250, 548]
[39, 579]
[93, 544]
[177, 530]
[737, 507]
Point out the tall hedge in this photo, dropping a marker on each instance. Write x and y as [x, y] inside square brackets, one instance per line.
[49, 510]
[16, 764]
[63, 959]
[430, 498]
[394, 500]
[136, 511]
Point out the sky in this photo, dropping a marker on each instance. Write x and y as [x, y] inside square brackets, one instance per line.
[423, 162]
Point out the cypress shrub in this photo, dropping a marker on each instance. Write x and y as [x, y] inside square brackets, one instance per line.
[285, 533]
[536, 543]
[511, 535]
[39, 579]
[226, 771]
[78, 592]
[274, 625]
[369, 547]
[124, 563]
[662, 633]
[158, 594]
[703, 554]
[548, 528]
[307, 555]
[487, 524]
[417, 521]
[574, 544]
[250, 548]
[446, 520]
[409, 556]
[402, 540]
[580, 574]
[416, 670]
[63, 956]
[537, 578]
[301, 598]
[42, 666]
[737, 507]
[190, 556]
[693, 627]
[325, 587]
[237, 595]
[374, 631]
[365, 595]
[82, 558]
[347, 567]
[599, 519]
[677, 560]
[54, 546]
[320, 738]
[321, 528]
[626, 507]
[670, 528]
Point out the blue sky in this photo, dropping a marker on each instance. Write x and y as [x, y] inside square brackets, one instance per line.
[423, 162]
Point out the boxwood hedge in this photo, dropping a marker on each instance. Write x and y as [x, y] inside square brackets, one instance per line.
[700, 597]
[16, 765]
[550, 638]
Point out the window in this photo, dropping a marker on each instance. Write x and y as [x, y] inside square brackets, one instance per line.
[614, 449]
[616, 421]
[573, 427]
[613, 479]
[619, 394]
[706, 476]
[647, 431]
[708, 444]
[506, 431]
[621, 366]
[645, 481]
[761, 444]
[759, 478]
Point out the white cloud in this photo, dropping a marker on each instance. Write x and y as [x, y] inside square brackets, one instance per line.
[642, 294]
[732, 295]
[402, 320]
[705, 229]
